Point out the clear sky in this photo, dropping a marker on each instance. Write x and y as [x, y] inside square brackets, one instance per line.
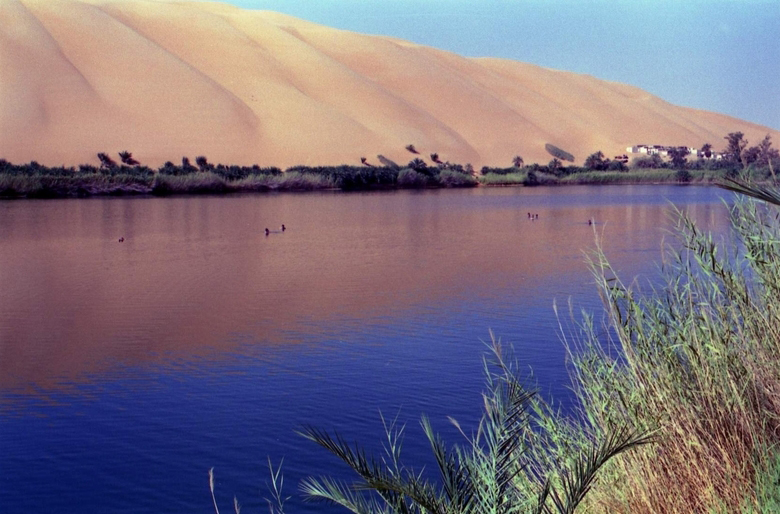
[718, 55]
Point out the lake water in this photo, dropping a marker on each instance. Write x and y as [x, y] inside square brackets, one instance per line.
[127, 370]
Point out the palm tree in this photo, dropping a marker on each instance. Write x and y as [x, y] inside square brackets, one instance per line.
[495, 472]
[127, 158]
[203, 163]
[186, 165]
[517, 161]
[417, 164]
[106, 161]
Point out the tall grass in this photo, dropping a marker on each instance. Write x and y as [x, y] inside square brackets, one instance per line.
[697, 357]
[205, 182]
[14, 185]
[639, 176]
[507, 179]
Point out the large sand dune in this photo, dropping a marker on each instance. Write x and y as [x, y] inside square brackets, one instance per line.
[165, 79]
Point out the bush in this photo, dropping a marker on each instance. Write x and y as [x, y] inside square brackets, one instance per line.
[683, 175]
[531, 179]
[409, 178]
[449, 178]
[616, 166]
[648, 162]
[498, 171]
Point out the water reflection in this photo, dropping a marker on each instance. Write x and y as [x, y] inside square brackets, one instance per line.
[197, 277]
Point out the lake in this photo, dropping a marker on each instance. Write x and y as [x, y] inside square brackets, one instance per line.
[128, 369]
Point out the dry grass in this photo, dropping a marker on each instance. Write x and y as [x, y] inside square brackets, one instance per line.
[698, 359]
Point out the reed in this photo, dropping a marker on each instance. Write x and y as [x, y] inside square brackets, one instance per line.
[449, 178]
[697, 358]
[191, 183]
[13, 185]
[302, 181]
[508, 179]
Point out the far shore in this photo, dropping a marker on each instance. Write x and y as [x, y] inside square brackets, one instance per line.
[38, 181]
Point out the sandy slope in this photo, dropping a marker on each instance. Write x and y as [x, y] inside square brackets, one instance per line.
[165, 79]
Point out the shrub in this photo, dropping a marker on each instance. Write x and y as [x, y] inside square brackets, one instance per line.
[409, 178]
[498, 171]
[531, 179]
[616, 166]
[683, 175]
[648, 161]
[450, 178]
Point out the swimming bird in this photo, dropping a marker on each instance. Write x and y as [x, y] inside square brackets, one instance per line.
[121, 239]
[267, 231]
[283, 227]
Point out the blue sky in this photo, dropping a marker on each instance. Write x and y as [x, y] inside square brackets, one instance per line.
[720, 55]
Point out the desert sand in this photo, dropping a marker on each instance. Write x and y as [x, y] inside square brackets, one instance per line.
[166, 79]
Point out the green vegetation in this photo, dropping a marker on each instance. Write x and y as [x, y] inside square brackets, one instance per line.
[36, 181]
[756, 163]
[575, 175]
[698, 358]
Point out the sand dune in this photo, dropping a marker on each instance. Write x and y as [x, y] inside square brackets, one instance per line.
[165, 79]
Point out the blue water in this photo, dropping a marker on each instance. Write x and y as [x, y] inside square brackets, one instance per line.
[127, 370]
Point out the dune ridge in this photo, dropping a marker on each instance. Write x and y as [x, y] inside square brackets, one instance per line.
[166, 78]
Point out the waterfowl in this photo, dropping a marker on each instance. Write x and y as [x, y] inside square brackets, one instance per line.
[283, 227]
[267, 231]
[121, 239]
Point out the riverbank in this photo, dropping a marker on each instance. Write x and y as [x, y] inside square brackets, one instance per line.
[36, 181]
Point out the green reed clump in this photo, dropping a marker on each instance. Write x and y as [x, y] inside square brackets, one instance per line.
[297, 181]
[450, 178]
[411, 179]
[21, 185]
[353, 177]
[621, 177]
[200, 182]
[698, 358]
[503, 179]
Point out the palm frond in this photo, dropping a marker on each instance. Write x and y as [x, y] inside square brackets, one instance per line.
[577, 481]
[341, 494]
[456, 480]
[760, 192]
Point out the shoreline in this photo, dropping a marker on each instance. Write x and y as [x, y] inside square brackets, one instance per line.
[22, 182]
